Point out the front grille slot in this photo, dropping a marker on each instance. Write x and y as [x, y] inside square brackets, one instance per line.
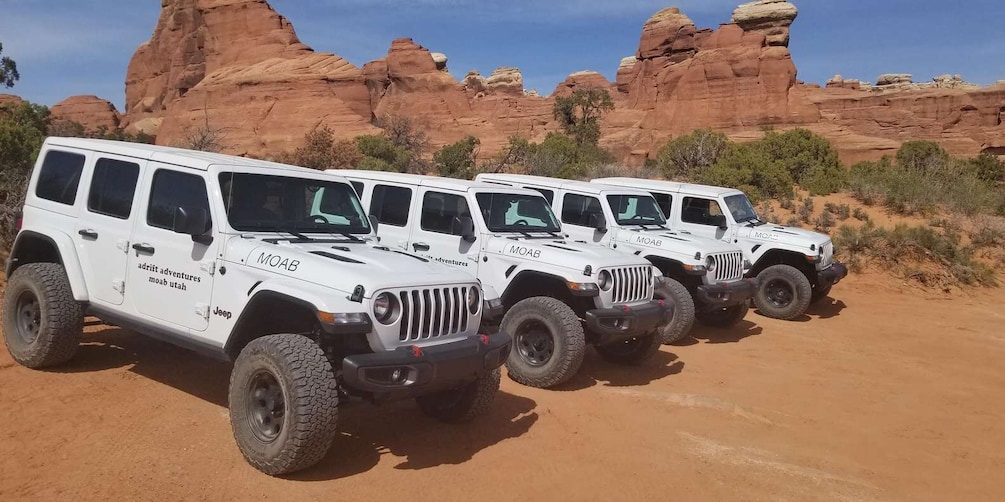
[728, 266]
[631, 284]
[432, 313]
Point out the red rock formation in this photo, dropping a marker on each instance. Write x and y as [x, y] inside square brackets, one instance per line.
[91, 112]
[10, 99]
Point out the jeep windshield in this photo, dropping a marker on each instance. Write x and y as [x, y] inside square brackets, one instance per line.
[640, 210]
[511, 212]
[741, 208]
[297, 206]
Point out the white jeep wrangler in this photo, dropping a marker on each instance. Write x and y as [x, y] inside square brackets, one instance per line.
[223, 255]
[794, 267]
[703, 277]
[548, 288]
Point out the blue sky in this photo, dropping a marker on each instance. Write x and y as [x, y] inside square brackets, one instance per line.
[68, 47]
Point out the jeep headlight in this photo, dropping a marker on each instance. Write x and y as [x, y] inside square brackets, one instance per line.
[605, 281]
[710, 264]
[474, 300]
[385, 308]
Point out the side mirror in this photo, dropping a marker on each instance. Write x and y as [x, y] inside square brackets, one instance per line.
[598, 222]
[720, 221]
[374, 224]
[464, 227]
[194, 222]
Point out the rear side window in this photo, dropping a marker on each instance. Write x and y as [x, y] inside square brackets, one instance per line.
[171, 190]
[389, 204]
[700, 211]
[59, 177]
[439, 211]
[112, 188]
[664, 201]
[576, 209]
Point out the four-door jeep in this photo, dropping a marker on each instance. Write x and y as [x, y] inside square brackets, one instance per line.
[557, 295]
[226, 256]
[703, 277]
[794, 267]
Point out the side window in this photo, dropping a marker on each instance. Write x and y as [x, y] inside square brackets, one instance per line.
[390, 204]
[548, 194]
[358, 187]
[700, 211]
[439, 211]
[112, 188]
[59, 177]
[171, 190]
[664, 201]
[577, 209]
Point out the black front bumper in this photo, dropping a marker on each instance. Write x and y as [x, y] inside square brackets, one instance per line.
[425, 369]
[726, 294]
[624, 322]
[832, 274]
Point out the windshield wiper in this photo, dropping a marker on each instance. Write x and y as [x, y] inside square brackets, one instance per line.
[281, 230]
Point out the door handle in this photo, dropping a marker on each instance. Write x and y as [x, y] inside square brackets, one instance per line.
[685, 232]
[90, 234]
[420, 246]
[144, 248]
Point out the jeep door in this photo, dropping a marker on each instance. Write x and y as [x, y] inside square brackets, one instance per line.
[437, 235]
[702, 216]
[105, 225]
[579, 215]
[392, 205]
[171, 275]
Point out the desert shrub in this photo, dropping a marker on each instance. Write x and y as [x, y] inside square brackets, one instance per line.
[988, 234]
[860, 215]
[683, 157]
[322, 151]
[921, 156]
[457, 160]
[579, 114]
[786, 203]
[805, 211]
[986, 167]
[404, 133]
[765, 212]
[809, 158]
[824, 222]
[558, 155]
[23, 128]
[793, 222]
[380, 148]
[748, 168]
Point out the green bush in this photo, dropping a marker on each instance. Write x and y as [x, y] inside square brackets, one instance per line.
[748, 168]
[391, 157]
[558, 156]
[457, 160]
[809, 158]
[322, 151]
[682, 158]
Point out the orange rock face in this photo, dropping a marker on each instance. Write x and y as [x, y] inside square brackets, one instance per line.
[237, 66]
[90, 111]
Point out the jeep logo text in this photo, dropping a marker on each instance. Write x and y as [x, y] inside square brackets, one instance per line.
[524, 251]
[766, 236]
[277, 261]
[222, 313]
[648, 241]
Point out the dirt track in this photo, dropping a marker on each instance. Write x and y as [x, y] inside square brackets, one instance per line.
[880, 395]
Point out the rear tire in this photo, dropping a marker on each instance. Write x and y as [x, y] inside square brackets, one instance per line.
[548, 342]
[724, 317]
[283, 403]
[634, 351]
[783, 292]
[42, 323]
[684, 312]
[464, 403]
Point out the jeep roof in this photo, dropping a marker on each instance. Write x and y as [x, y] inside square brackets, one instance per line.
[560, 184]
[669, 186]
[428, 181]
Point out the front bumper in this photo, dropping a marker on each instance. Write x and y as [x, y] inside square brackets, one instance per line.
[725, 294]
[624, 322]
[832, 274]
[423, 370]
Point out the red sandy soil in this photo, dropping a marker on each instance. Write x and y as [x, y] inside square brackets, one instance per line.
[882, 393]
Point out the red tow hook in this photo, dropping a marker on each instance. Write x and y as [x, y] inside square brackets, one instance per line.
[484, 338]
[627, 309]
[663, 303]
[416, 351]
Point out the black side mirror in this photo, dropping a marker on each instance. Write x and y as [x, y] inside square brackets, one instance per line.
[719, 220]
[374, 224]
[194, 222]
[598, 222]
[464, 227]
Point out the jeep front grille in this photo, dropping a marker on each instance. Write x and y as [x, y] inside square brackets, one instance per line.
[728, 266]
[632, 284]
[432, 313]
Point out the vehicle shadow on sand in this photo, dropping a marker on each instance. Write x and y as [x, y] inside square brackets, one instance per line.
[732, 334]
[596, 370]
[825, 308]
[365, 432]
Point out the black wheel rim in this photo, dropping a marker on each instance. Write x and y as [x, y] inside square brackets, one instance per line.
[266, 406]
[535, 343]
[29, 316]
[779, 293]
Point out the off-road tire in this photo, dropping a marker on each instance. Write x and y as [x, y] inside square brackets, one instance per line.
[464, 403]
[565, 332]
[820, 292]
[724, 317]
[794, 284]
[634, 351]
[42, 323]
[305, 382]
[684, 312]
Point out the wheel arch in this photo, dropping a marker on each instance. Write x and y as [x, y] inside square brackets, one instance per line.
[784, 257]
[259, 318]
[675, 270]
[531, 283]
[49, 247]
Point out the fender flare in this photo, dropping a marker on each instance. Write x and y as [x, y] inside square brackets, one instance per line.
[68, 258]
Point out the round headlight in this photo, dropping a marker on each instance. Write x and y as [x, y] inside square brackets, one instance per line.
[710, 264]
[385, 308]
[474, 300]
[605, 281]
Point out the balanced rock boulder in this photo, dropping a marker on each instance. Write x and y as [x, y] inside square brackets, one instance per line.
[505, 80]
[770, 17]
[91, 112]
[667, 33]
